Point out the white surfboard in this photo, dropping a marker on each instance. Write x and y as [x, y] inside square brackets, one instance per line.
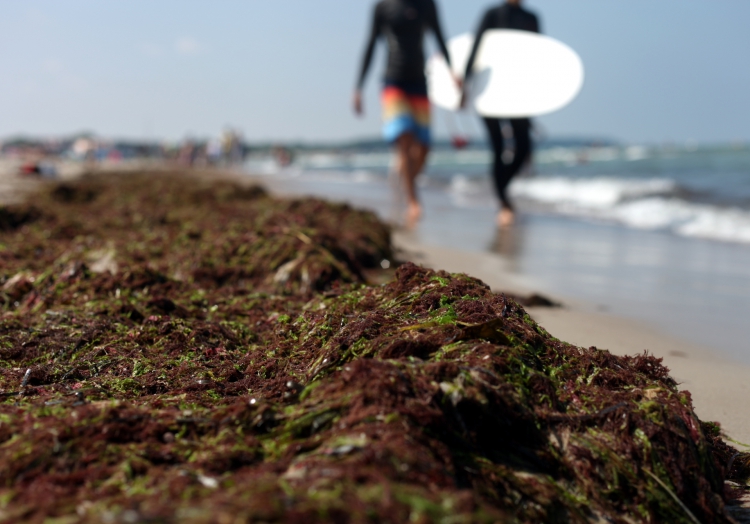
[516, 74]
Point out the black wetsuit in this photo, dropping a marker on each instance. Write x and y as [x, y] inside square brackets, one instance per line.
[506, 16]
[404, 23]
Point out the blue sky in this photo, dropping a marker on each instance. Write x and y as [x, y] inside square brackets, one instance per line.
[657, 70]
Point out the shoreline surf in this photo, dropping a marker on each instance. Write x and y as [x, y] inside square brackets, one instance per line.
[691, 192]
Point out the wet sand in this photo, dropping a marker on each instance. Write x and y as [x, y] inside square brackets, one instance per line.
[719, 386]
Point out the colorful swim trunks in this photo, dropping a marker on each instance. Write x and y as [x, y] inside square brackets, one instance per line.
[406, 109]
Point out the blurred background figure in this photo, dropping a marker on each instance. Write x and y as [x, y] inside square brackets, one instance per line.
[509, 15]
[232, 148]
[83, 148]
[283, 156]
[406, 108]
[213, 152]
[188, 153]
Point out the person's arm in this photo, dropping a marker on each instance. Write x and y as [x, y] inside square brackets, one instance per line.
[370, 49]
[438, 30]
[483, 27]
[536, 26]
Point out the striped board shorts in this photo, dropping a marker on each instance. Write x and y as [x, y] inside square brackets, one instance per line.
[406, 109]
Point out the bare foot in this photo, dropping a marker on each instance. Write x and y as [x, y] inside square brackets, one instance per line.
[506, 218]
[413, 215]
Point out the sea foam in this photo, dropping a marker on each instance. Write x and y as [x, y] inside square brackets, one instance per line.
[652, 204]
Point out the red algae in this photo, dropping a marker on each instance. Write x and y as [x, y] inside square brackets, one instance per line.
[184, 350]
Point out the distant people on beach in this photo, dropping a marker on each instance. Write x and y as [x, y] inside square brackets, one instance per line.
[406, 108]
[37, 157]
[283, 156]
[229, 151]
[188, 153]
[232, 148]
[214, 152]
[509, 15]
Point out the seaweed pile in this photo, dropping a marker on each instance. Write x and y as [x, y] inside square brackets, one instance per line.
[178, 350]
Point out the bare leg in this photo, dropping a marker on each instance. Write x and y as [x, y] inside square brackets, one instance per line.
[407, 167]
[505, 218]
[419, 152]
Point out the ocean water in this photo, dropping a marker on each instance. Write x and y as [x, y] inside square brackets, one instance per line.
[691, 192]
[661, 234]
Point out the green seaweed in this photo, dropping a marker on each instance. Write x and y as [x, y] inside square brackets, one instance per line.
[201, 352]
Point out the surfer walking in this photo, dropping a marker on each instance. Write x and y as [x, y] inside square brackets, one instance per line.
[406, 108]
[509, 15]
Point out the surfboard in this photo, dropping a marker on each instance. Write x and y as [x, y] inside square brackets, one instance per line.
[516, 74]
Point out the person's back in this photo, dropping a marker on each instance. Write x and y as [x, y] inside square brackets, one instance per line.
[403, 23]
[511, 16]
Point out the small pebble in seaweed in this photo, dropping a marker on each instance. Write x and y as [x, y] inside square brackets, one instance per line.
[168, 437]
[295, 388]
[80, 399]
[342, 450]
[208, 482]
[26, 377]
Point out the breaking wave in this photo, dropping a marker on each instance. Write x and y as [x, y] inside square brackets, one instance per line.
[655, 204]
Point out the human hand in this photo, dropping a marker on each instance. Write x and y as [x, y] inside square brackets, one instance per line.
[459, 82]
[357, 102]
[461, 89]
[464, 99]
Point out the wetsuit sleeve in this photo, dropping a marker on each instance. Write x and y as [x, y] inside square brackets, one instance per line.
[375, 32]
[438, 30]
[535, 26]
[483, 27]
